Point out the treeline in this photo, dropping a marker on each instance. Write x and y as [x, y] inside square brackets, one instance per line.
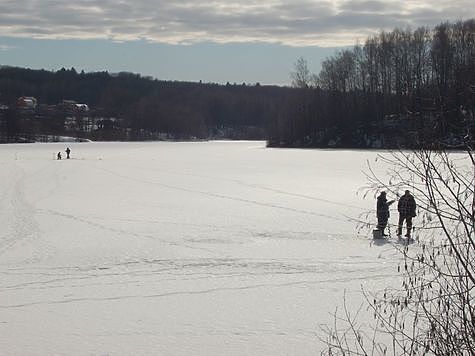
[142, 107]
[399, 88]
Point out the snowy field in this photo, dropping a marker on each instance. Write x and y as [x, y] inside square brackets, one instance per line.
[217, 248]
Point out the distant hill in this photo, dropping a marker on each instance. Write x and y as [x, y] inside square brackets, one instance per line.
[141, 107]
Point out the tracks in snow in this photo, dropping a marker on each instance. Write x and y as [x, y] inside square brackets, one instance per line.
[17, 215]
[168, 278]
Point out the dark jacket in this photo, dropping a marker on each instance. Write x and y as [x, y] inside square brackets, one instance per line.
[407, 206]
[382, 208]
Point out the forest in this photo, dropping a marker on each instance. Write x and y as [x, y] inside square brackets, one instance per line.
[136, 108]
[402, 88]
[399, 89]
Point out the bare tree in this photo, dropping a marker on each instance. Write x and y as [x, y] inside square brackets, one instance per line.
[301, 76]
[434, 310]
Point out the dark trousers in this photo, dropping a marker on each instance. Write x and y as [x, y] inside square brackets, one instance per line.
[401, 222]
[382, 222]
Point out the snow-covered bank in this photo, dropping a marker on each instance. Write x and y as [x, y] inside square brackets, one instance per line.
[34, 138]
[211, 248]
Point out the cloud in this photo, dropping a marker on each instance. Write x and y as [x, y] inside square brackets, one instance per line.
[302, 22]
[4, 47]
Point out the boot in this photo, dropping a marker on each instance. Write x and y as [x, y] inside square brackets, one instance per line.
[408, 234]
[399, 230]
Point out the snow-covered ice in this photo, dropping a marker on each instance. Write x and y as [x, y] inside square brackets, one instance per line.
[210, 248]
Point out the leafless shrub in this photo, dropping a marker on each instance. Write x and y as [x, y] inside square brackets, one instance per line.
[433, 312]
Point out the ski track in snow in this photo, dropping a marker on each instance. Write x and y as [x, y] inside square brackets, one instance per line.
[222, 196]
[140, 272]
[120, 231]
[19, 214]
[205, 291]
[19, 220]
[172, 270]
[199, 260]
[258, 187]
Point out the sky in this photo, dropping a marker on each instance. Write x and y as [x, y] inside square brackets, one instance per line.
[213, 41]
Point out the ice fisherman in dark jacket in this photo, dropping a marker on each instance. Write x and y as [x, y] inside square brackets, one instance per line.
[407, 210]
[382, 212]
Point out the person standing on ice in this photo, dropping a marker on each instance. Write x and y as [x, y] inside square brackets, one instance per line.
[382, 212]
[58, 156]
[68, 151]
[407, 210]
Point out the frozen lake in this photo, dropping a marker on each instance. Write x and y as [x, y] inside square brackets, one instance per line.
[215, 248]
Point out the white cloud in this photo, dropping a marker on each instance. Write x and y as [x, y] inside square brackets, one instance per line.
[300, 22]
[4, 48]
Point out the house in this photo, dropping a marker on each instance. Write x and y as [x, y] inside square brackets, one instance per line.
[27, 103]
[73, 106]
[81, 107]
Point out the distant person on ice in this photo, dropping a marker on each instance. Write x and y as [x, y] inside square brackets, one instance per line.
[382, 212]
[68, 151]
[58, 156]
[407, 210]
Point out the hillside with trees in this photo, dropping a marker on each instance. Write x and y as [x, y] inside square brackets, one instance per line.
[126, 106]
[401, 88]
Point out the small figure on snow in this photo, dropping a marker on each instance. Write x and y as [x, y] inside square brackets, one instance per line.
[382, 212]
[68, 151]
[407, 210]
[58, 156]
